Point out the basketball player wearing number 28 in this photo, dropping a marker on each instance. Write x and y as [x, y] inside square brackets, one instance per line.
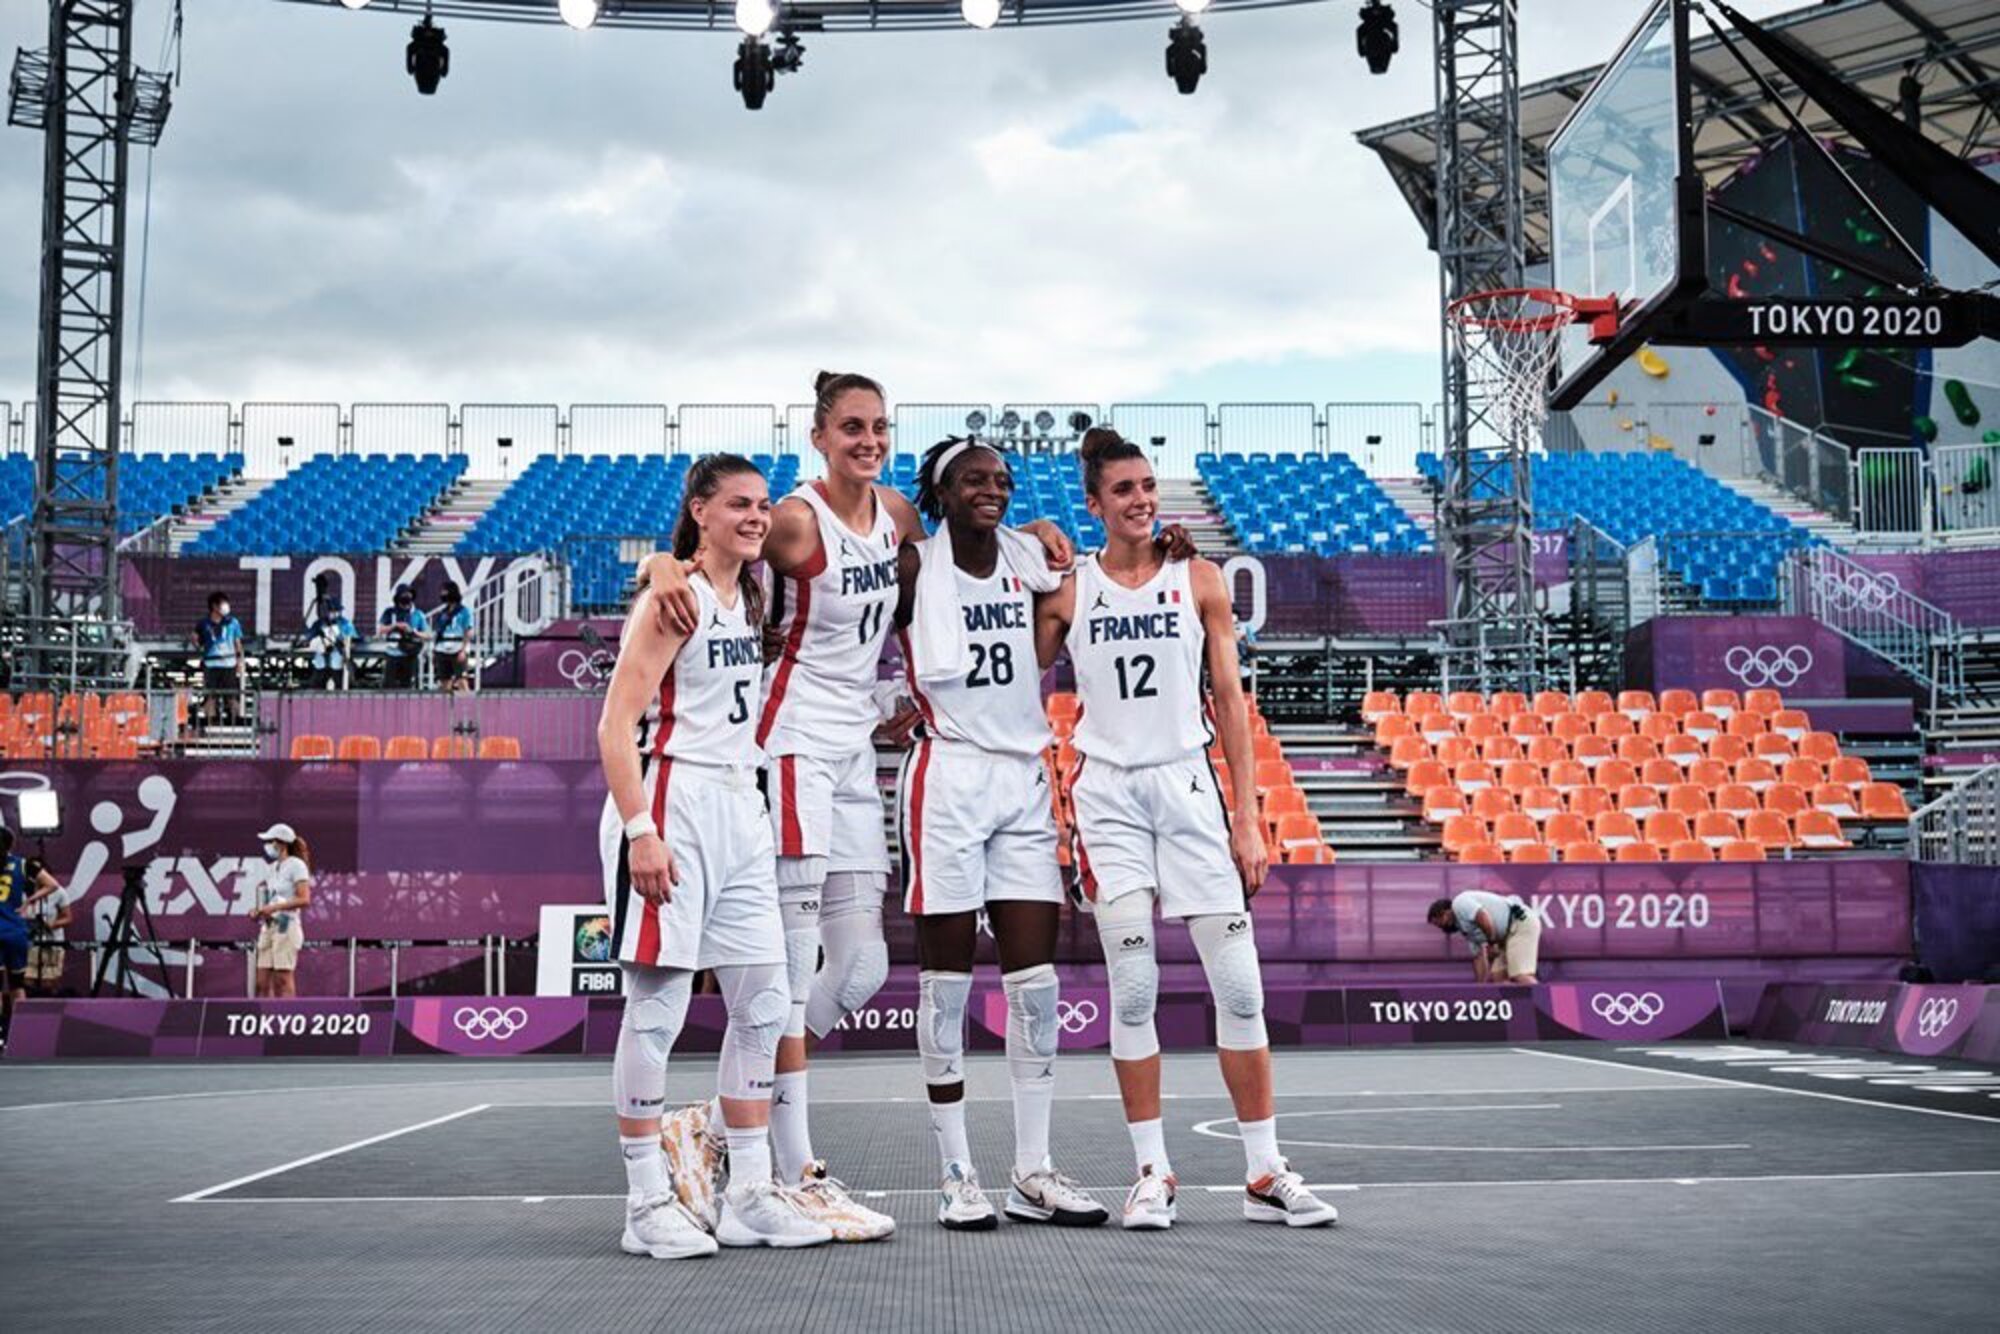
[1151, 825]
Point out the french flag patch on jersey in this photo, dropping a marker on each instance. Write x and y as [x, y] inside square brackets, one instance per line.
[1168, 595]
[1009, 584]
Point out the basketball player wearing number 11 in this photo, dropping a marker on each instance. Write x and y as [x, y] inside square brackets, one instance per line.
[1150, 822]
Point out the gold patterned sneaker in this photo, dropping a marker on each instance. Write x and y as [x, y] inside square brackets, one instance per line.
[695, 1157]
[824, 1199]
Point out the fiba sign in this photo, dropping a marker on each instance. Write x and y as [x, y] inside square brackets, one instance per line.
[573, 953]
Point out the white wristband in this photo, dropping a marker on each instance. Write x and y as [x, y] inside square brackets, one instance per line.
[639, 826]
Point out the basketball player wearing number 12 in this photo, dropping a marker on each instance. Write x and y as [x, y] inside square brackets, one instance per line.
[1150, 821]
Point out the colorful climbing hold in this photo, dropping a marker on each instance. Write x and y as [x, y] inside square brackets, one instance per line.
[1653, 363]
[1960, 398]
[1927, 428]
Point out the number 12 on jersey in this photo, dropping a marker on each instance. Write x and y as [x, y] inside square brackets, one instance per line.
[1135, 677]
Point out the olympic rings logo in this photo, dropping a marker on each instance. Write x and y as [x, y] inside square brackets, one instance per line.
[1768, 665]
[1623, 1007]
[1074, 1017]
[491, 1024]
[1857, 590]
[1934, 1016]
[585, 671]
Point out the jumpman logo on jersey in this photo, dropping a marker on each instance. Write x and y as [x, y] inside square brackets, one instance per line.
[716, 624]
[1194, 787]
[1100, 603]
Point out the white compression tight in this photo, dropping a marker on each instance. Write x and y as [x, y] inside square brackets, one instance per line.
[656, 1001]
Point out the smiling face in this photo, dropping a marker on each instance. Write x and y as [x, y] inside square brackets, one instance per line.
[976, 489]
[1127, 500]
[855, 436]
[735, 519]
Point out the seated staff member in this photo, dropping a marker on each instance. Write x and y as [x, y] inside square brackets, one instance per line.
[977, 829]
[1139, 629]
[1504, 933]
[450, 655]
[329, 637]
[404, 629]
[689, 875]
[281, 900]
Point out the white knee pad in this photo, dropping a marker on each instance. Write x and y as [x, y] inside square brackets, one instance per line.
[800, 915]
[941, 1001]
[857, 958]
[656, 1001]
[758, 1001]
[801, 872]
[1032, 1030]
[1125, 928]
[1228, 948]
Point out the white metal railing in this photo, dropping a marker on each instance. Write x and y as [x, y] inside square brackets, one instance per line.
[1891, 489]
[1963, 825]
[538, 597]
[1923, 640]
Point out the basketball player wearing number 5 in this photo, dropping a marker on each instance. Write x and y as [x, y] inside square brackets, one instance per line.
[1139, 628]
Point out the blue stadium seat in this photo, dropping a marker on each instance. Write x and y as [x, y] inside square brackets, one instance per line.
[149, 485]
[1310, 504]
[334, 503]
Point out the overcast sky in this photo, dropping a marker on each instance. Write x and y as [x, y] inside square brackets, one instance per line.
[593, 216]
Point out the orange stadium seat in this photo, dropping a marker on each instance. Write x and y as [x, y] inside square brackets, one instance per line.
[1473, 775]
[1662, 774]
[1274, 773]
[1064, 704]
[1591, 703]
[1637, 749]
[1409, 751]
[1883, 801]
[1717, 829]
[1565, 828]
[1678, 703]
[1635, 704]
[1591, 802]
[1702, 725]
[1819, 831]
[1375, 705]
[1613, 726]
[1463, 704]
[1540, 802]
[1763, 700]
[1490, 803]
[1547, 750]
[1484, 854]
[1390, 728]
[359, 748]
[1420, 702]
[1666, 828]
[1755, 774]
[1636, 852]
[1456, 750]
[1319, 854]
[1591, 751]
[308, 746]
[452, 748]
[1614, 774]
[1615, 829]
[1746, 724]
[1507, 704]
[1480, 726]
[1786, 799]
[1769, 830]
[1849, 769]
[1805, 773]
[1792, 723]
[1424, 775]
[1737, 799]
[1500, 749]
[1567, 775]
[1584, 851]
[1688, 801]
[1516, 830]
[1462, 832]
[1837, 800]
[1821, 746]
[1266, 747]
[1517, 776]
[1535, 853]
[1730, 749]
[499, 748]
[1637, 800]
[1283, 801]
[1569, 726]
[1441, 803]
[1743, 851]
[1436, 727]
[1551, 703]
[1527, 728]
[1685, 751]
[1298, 830]
[1719, 702]
[1659, 726]
[1690, 850]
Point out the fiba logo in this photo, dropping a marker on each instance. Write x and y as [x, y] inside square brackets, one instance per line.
[1619, 1008]
[1075, 1016]
[489, 1023]
[593, 938]
[1768, 665]
[1934, 1016]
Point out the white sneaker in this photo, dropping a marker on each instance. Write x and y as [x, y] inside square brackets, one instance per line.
[696, 1156]
[824, 1199]
[763, 1213]
[1282, 1197]
[962, 1205]
[661, 1228]
[1046, 1196]
[1150, 1203]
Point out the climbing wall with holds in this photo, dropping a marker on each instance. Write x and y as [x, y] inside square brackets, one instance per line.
[1964, 404]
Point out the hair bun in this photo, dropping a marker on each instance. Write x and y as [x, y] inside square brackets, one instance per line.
[1099, 440]
[822, 380]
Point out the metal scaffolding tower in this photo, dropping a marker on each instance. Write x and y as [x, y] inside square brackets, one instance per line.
[90, 104]
[1486, 520]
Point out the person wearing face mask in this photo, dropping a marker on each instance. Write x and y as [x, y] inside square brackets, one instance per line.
[281, 899]
[404, 630]
[329, 637]
[1504, 933]
[219, 637]
[452, 622]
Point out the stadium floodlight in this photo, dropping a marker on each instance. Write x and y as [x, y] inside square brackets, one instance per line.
[427, 58]
[1187, 55]
[981, 13]
[975, 421]
[755, 17]
[1045, 421]
[40, 812]
[1079, 422]
[753, 74]
[1378, 38]
[1010, 421]
[1192, 7]
[579, 14]
[355, 4]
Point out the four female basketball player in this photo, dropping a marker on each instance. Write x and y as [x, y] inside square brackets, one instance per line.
[782, 896]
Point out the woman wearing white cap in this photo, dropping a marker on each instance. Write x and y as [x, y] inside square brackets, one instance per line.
[280, 900]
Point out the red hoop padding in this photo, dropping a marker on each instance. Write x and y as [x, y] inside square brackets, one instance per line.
[1563, 309]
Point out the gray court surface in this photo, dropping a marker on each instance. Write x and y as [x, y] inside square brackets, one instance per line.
[1560, 1187]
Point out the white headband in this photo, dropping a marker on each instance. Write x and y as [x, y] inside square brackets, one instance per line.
[944, 460]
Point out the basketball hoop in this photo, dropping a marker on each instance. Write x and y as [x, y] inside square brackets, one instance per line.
[1508, 340]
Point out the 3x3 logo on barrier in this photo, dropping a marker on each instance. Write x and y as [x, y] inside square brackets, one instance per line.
[1620, 1008]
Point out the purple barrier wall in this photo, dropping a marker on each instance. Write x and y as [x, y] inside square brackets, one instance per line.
[1907, 1020]
[482, 1026]
[1957, 912]
[1965, 583]
[1794, 655]
[548, 726]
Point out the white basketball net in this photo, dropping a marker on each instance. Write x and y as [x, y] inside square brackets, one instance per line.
[1508, 342]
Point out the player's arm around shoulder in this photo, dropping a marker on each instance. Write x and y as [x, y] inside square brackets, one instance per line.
[1054, 612]
[645, 650]
[909, 523]
[793, 538]
[909, 564]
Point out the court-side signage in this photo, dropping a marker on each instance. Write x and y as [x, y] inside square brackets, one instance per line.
[1961, 1021]
[1936, 321]
[573, 952]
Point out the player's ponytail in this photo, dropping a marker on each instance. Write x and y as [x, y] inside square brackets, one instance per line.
[299, 849]
[1102, 445]
[704, 479]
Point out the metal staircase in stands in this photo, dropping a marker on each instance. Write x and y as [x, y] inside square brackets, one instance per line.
[1923, 641]
[174, 532]
[1788, 505]
[1187, 502]
[454, 515]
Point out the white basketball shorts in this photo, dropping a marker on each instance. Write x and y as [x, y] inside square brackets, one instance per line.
[976, 827]
[1159, 827]
[828, 808]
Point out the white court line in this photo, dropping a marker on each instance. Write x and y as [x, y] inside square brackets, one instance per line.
[1771, 1088]
[1223, 1096]
[1453, 1184]
[200, 1195]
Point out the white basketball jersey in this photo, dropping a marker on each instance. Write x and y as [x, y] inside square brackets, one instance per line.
[707, 708]
[1138, 659]
[834, 614]
[997, 704]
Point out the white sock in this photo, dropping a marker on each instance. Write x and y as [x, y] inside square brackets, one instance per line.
[1034, 1100]
[1149, 1146]
[789, 1131]
[749, 1155]
[1260, 1147]
[948, 1124]
[645, 1166]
